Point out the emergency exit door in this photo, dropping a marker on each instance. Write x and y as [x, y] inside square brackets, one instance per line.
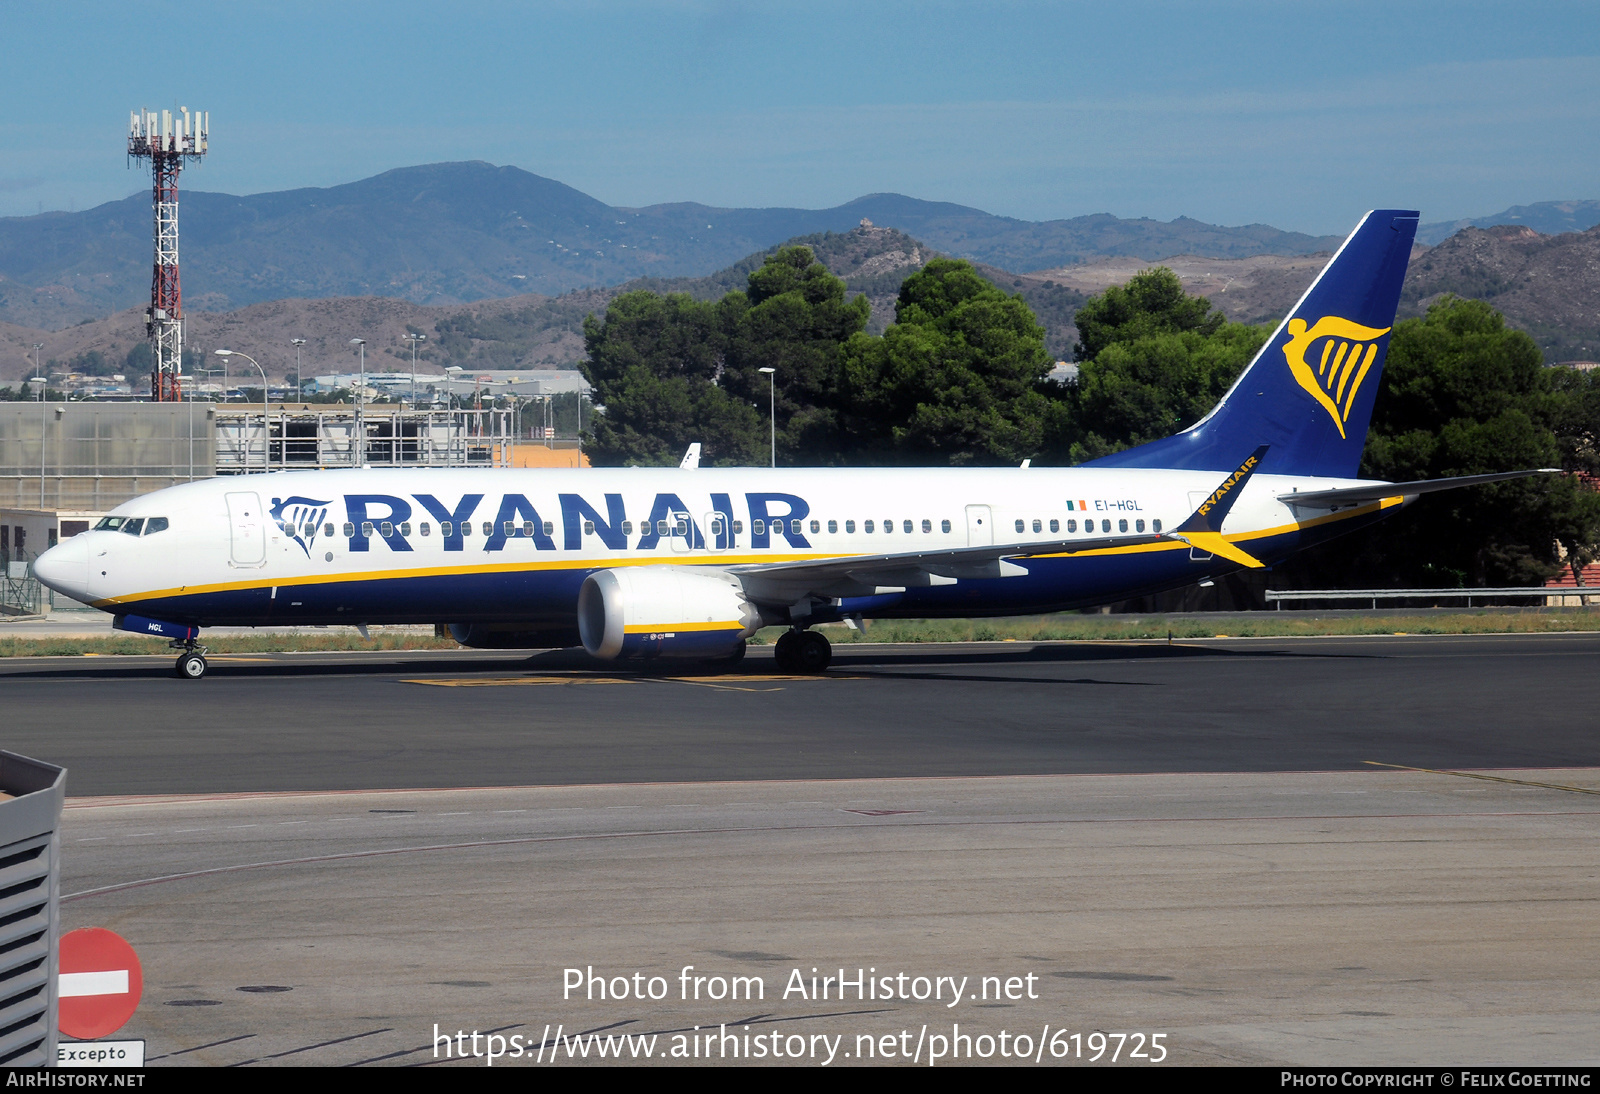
[980, 526]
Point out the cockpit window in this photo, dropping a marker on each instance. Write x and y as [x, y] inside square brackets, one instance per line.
[132, 527]
[109, 524]
[154, 525]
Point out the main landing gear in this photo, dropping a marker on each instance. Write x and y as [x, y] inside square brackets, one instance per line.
[191, 663]
[802, 651]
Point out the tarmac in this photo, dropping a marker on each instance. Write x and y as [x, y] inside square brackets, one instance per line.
[1340, 852]
[1380, 917]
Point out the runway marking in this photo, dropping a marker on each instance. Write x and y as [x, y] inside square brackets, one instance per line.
[521, 681]
[708, 684]
[424, 1048]
[756, 677]
[325, 1044]
[197, 1048]
[1486, 778]
[728, 682]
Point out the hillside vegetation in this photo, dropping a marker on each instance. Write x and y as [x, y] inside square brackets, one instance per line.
[528, 331]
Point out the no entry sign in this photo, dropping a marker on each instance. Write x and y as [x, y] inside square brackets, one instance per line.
[100, 983]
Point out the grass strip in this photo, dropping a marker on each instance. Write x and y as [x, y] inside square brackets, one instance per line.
[112, 645]
[1069, 627]
[1112, 628]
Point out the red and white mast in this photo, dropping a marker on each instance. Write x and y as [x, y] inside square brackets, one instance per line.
[166, 140]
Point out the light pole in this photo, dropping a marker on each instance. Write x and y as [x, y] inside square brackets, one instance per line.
[415, 338]
[452, 374]
[772, 410]
[361, 389]
[41, 381]
[299, 380]
[266, 429]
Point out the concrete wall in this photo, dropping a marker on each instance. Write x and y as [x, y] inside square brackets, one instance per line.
[95, 456]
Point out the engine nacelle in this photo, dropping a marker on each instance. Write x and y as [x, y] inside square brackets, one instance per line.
[659, 611]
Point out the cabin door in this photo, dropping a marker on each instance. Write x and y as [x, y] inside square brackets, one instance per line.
[247, 528]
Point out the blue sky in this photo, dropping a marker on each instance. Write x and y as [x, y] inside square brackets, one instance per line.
[1300, 115]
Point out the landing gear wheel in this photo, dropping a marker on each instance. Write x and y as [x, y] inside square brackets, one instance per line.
[812, 652]
[784, 652]
[191, 665]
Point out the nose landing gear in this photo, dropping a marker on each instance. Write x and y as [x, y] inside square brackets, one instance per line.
[802, 651]
[191, 664]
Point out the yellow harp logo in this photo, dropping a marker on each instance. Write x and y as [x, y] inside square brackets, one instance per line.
[1348, 350]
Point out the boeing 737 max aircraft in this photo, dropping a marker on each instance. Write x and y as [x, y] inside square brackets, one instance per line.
[689, 562]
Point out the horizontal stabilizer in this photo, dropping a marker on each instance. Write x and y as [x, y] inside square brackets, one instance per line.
[1203, 529]
[1355, 495]
[1213, 543]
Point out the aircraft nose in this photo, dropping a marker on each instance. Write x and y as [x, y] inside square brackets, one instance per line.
[65, 568]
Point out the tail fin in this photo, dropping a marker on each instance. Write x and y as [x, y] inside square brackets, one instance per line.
[1309, 392]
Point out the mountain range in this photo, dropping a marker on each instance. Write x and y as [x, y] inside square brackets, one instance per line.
[298, 259]
[452, 233]
[525, 331]
[1548, 285]
[1544, 217]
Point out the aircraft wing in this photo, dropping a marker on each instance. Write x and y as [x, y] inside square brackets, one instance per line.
[873, 575]
[1355, 495]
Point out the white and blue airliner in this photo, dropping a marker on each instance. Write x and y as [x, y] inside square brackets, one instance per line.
[689, 562]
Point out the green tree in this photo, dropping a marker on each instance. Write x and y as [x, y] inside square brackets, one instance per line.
[1152, 303]
[793, 318]
[954, 379]
[654, 362]
[1153, 361]
[139, 361]
[1464, 394]
[672, 370]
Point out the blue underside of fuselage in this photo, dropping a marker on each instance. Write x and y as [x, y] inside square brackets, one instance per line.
[547, 598]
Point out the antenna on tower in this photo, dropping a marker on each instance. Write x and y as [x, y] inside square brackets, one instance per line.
[166, 140]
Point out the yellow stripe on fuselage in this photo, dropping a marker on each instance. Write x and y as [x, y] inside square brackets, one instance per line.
[296, 581]
[705, 559]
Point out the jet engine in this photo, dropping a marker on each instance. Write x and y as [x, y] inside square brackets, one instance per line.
[657, 611]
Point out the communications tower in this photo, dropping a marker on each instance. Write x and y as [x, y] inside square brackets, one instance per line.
[166, 140]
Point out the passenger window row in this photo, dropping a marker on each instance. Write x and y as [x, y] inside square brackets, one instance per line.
[679, 527]
[1088, 525]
